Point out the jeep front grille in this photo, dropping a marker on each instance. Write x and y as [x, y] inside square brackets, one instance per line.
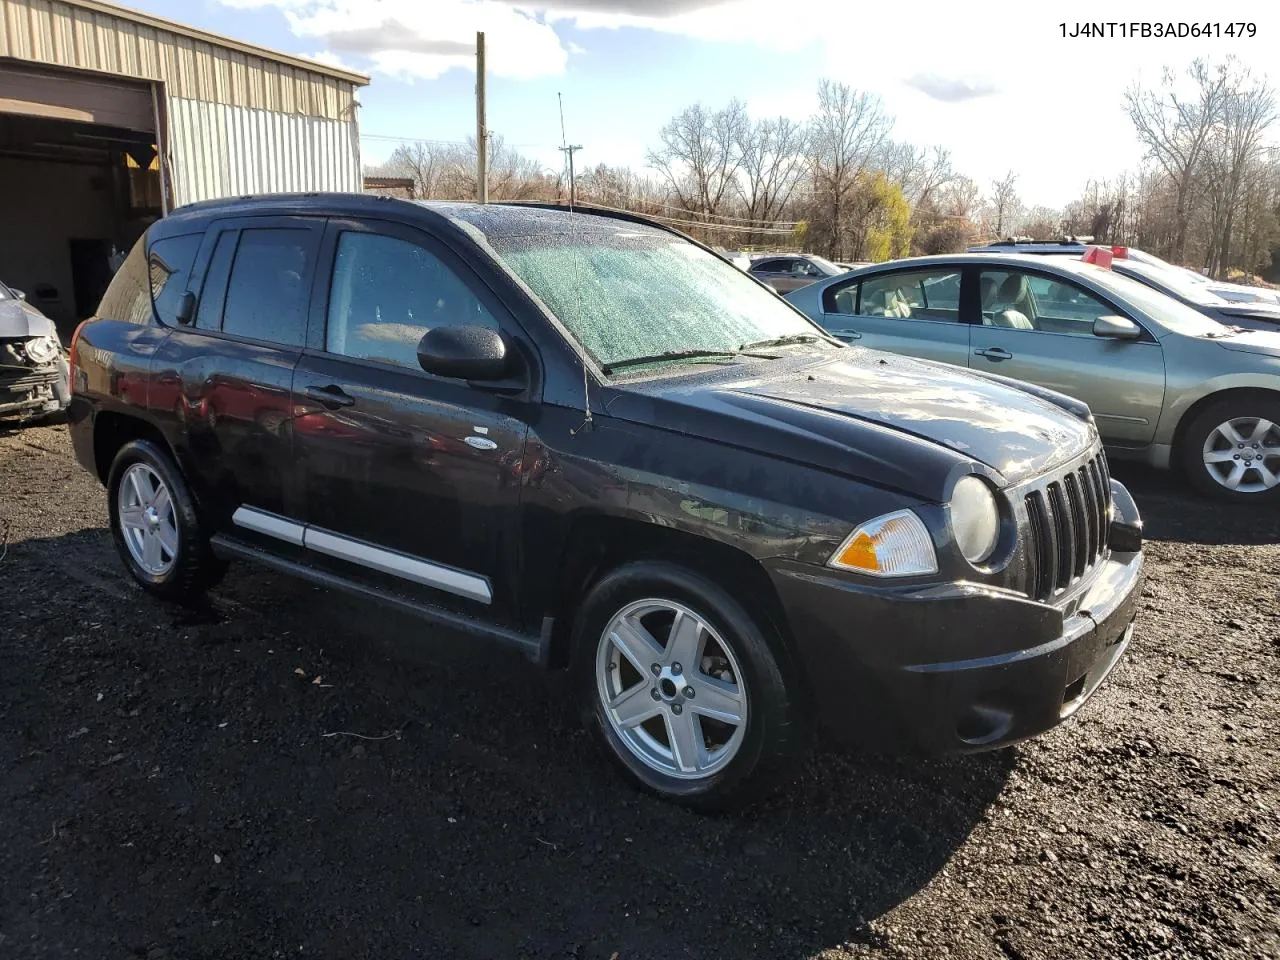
[1067, 517]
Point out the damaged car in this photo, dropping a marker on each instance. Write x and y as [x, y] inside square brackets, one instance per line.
[34, 376]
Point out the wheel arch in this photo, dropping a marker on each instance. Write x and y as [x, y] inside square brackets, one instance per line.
[598, 543]
[112, 430]
[1202, 403]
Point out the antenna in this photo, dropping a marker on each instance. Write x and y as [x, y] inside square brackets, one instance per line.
[587, 423]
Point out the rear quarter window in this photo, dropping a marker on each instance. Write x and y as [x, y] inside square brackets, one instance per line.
[169, 267]
[128, 297]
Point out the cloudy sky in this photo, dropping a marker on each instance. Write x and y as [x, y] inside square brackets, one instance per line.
[996, 83]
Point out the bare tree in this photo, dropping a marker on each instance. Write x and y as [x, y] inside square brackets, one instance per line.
[960, 198]
[699, 156]
[1176, 131]
[846, 134]
[773, 162]
[419, 162]
[1005, 203]
[918, 171]
[1235, 153]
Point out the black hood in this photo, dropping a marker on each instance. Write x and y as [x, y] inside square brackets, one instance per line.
[875, 416]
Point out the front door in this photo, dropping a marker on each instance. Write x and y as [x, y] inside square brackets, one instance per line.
[913, 312]
[1039, 328]
[411, 480]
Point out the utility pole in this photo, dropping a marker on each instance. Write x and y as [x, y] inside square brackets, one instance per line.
[482, 131]
[569, 149]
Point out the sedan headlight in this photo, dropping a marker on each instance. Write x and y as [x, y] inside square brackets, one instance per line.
[975, 519]
[894, 545]
[42, 349]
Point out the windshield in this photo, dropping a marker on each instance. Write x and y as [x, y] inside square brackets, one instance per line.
[826, 266]
[626, 294]
[1182, 286]
[1172, 315]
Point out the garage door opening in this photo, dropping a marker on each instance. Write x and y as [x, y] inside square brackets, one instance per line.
[75, 191]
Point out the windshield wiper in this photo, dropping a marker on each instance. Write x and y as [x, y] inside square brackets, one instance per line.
[781, 341]
[665, 356]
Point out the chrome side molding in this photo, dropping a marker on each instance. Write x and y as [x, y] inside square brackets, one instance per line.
[461, 583]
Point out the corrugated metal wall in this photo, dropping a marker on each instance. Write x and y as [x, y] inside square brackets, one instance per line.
[194, 65]
[218, 150]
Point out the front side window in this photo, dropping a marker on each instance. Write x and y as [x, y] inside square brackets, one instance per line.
[913, 295]
[267, 293]
[633, 292]
[169, 265]
[1028, 301]
[386, 293]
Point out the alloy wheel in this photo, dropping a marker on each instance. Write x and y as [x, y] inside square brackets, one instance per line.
[1243, 454]
[672, 689]
[147, 520]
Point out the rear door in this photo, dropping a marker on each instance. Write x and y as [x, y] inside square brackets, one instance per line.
[772, 271]
[913, 312]
[223, 379]
[1038, 327]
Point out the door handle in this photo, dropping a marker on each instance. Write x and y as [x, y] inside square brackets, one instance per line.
[848, 335]
[331, 396]
[995, 353]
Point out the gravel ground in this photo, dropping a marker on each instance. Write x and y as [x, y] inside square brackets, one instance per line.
[191, 784]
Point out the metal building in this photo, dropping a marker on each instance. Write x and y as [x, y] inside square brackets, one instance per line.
[110, 117]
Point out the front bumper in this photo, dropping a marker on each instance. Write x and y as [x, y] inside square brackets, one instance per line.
[35, 391]
[958, 666]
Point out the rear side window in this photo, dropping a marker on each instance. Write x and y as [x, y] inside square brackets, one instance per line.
[128, 298]
[267, 293]
[169, 266]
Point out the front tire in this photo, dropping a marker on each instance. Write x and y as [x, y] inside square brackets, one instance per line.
[155, 524]
[684, 687]
[1231, 450]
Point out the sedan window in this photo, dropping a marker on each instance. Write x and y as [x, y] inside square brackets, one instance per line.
[1030, 301]
[915, 294]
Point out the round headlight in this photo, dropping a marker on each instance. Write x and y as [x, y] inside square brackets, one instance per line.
[975, 519]
[42, 349]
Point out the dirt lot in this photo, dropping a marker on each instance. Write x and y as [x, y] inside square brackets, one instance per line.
[188, 785]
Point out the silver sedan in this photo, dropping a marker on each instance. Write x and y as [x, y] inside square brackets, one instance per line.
[1167, 385]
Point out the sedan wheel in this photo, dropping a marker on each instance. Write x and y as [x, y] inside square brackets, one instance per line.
[1243, 454]
[672, 689]
[147, 521]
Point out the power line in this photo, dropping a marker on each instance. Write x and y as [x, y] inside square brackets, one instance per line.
[676, 222]
[789, 224]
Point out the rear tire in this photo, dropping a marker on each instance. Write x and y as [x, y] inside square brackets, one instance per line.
[156, 526]
[658, 650]
[1231, 449]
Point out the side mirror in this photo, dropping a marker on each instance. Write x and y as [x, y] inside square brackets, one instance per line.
[18, 293]
[1116, 328]
[186, 308]
[464, 353]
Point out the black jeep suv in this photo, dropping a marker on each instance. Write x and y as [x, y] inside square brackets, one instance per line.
[591, 439]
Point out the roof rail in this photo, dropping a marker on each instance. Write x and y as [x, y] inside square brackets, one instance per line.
[1014, 241]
